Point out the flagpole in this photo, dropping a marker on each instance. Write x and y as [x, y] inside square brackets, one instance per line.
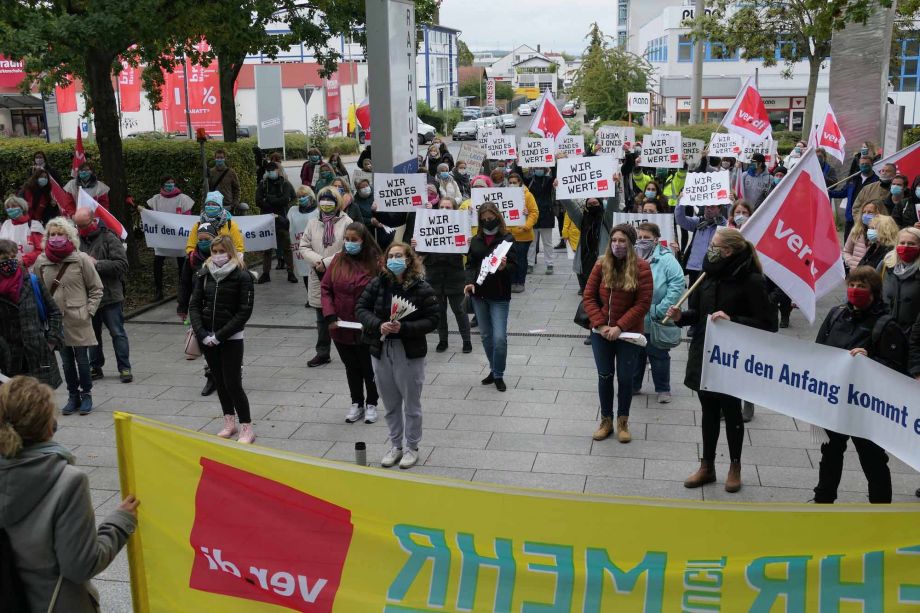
[686, 295]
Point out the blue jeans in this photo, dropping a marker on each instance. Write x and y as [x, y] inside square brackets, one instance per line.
[492, 316]
[609, 356]
[75, 362]
[111, 315]
[519, 252]
[660, 359]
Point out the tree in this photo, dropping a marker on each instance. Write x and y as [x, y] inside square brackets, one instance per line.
[606, 75]
[464, 55]
[788, 30]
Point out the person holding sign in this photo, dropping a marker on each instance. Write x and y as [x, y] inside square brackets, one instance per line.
[170, 199]
[492, 298]
[616, 299]
[593, 224]
[734, 290]
[523, 237]
[219, 218]
[540, 186]
[703, 228]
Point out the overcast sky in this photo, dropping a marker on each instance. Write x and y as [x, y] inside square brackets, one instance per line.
[557, 25]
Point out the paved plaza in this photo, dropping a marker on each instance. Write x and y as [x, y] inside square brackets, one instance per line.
[537, 434]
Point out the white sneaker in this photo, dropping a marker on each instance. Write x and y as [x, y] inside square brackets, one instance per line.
[354, 414]
[664, 398]
[393, 456]
[409, 458]
[370, 414]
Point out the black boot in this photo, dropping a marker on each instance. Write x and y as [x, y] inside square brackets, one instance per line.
[209, 385]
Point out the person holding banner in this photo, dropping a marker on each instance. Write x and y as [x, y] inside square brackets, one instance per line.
[86, 178]
[215, 213]
[170, 199]
[901, 279]
[219, 308]
[734, 290]
[397, 310]
[22, 229]
[703, 228]
[863, 326]
[349, 273]
[491, 299]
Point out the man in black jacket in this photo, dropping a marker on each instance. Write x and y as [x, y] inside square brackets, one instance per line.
[274, 196]
[863, 326]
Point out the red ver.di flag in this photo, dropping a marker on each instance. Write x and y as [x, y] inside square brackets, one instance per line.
[907, 160]
[203, 93]
[548, 121]
[296, 544]
[796, 237]
[748, 116]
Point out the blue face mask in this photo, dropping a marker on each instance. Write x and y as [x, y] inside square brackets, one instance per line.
[272, 174]
[204, 246]
[396, 265]
[872, 235]
[169, 187]
[212, 210]
[314, 159]
[866, 218]
[650, 193]
[897, 190]
[539, 172]
[14, 213]
[84, 175]
[42, 181]
[220, 162]
[865, 168]
[444, 176]
[353, 247]
[342, 190]
[917, 192]
[776, 180]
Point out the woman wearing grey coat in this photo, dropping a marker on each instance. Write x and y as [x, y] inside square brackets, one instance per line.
[594, 220]
[46, 511]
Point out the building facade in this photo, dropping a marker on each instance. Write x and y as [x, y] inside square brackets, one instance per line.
[437, 70]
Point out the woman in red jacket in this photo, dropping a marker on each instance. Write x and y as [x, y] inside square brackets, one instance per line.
[343, 283]
[616, 298]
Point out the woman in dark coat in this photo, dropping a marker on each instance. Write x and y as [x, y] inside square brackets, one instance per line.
[27, 339]
[733, 289]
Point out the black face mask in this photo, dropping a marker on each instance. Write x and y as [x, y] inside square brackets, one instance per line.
[489, 224]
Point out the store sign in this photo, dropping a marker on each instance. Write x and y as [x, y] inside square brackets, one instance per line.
[11, 72]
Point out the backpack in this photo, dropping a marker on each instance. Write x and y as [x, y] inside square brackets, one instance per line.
[894, 354]
[11, 585]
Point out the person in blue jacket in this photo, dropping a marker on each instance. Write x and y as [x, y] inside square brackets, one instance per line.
[851, 189]
[703, 228]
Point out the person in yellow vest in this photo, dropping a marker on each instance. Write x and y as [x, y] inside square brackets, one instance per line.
[215, 214]
[523, 235]
[673, 185]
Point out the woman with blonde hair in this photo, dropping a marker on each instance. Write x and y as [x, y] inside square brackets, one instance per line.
[48, 511]
[398, 347]
[901, 279]
[857, 242]
[616, 299]
[734, 290]
[71, 279]
[219, 308]
[882, 235]
[22, 229]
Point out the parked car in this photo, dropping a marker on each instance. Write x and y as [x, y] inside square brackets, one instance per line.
[426, 133]
[568, 110]
[509, 120]
[490, 111]
[465, 130]
[525, 109]
[496, 122]
[471, 112]
[481, 122]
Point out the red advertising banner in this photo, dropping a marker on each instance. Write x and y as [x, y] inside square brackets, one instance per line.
[334, 107]
[203, 93]
[66, 96]
[129, 88]
[11, 72]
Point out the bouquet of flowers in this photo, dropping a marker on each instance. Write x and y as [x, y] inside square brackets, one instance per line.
[399, 308]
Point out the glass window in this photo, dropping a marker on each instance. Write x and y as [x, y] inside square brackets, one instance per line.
[717, 52]
[684, 49]
[623, 12]
[622, 39]
[904, 72]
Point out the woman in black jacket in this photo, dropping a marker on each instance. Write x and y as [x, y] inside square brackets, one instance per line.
[193, 263]
[733, 289]
[398, 346]
[219, 308]
[491, 296]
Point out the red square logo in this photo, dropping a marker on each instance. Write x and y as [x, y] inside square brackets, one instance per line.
[460, 240]
[736, 149]
[549, 157]
[722, 194]
[416, 201]
[602, 185]
[511, 151]
[294, 547]
[514, 214]
[675, 157]
[578, 151]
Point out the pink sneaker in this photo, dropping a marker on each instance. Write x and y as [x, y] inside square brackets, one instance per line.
[247, 434]
[229, 428]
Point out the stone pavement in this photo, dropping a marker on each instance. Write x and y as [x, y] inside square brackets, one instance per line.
[537, 434]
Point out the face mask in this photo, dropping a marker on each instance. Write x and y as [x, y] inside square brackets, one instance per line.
[364, 192]
[461, 171]
[713, 254]
[204, 246]
[14, 213]
[58, 241]
[169, 187]
[396, 265]
[328, 209]
[304, 201]
[489, 224]
[327, 175]
[726, 165]
[650, 193]
[917, 192]
[897, 190]
[272, 174]
[314, 159]
[42, 181]
[740, 218]
[865, 168]
[864, 151]
[212, 210]
[859, 297]
[220, 259]
[8, 267]
[84, 175]
[644, 247]
[220, 162]
[539, 172]
[776, 180]
[866, 218]
[87, 230]
[514, 185]
[352, 247]
[341, 191]
[618, 250]
[907, 253]
[872, 235]
[797, 150]
[444, 175]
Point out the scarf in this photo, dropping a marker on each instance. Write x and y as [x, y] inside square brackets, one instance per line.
[24, 218]
[903, 270]
[52, 447]
[328, 227]
[171, 194]
[222, 218]
[221, 272]
[647, 253]
[56, 255]
[10, 287]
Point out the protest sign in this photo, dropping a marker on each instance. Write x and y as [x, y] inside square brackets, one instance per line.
[611, 139]
[571, 145]
[473, 156]
[707, 189]
[821, 385]
[767, 148]
[314, 527]
[723, 145]
[501, 147]
[167, 233]
[664, 222]
[509, 200]
[692, 149]
[536, 153]
[483, 134]
[662, 150]
[399, 193]
[442, 231]
[582, 177]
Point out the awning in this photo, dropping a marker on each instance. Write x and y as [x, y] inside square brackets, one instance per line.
[19, 101]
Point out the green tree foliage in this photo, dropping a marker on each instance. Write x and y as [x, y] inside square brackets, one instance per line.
[503, 90]
[796, 30]
[464, 55]
[607, 74]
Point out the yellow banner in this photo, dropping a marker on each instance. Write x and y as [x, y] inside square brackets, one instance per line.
[227, 528]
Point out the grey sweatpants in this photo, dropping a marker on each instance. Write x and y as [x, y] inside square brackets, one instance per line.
[399, 382]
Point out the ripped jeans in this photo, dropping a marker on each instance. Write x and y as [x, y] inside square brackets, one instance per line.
[619, 357]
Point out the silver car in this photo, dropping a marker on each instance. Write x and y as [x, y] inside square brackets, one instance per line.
[509, 121]
[465, 130]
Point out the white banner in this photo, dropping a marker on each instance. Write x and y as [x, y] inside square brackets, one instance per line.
[509, 200]
[298, 226]
[767, 148]
[501, 147]
[706, 189]
[664, 222]
[399, 193]
[817, 384]
[638, 102]
[536, 153]
[611, 139]
[692, 149]
[722, 145]
[483, 134]
[571, 145]
[167, 233]
[662, 150]
[438, 231]
[583, 177]
[473, 156]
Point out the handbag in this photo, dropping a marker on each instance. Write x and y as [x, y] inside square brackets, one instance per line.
[663, 336]
[192, 350]
[581, 316]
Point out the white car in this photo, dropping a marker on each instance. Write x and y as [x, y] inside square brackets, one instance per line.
[525, 109]
[509, 121]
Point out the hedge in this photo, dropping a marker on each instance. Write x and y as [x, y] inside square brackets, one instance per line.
[785, 140]
[296, 146]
